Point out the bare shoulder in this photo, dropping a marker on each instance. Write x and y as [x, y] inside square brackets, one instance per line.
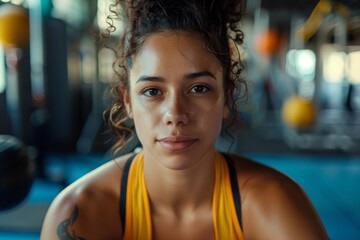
[273, 205]
[89, 207]
[251, 173]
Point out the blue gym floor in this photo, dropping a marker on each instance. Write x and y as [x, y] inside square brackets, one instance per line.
[331, 182]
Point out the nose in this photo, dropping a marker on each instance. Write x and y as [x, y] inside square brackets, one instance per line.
[176, 110]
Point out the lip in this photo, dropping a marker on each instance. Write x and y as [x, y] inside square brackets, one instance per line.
[177, 143]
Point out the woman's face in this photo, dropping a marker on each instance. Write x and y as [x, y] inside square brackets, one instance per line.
[176, 99]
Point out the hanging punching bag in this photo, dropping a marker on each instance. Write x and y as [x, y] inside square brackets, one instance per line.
[17, 171]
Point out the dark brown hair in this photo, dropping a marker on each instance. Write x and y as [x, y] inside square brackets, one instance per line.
[216, 22]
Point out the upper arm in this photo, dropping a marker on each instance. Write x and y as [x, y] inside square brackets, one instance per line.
[62, 219]
[87, 209]
[275, 207]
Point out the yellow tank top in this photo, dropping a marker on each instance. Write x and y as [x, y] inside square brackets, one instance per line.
[136, 215]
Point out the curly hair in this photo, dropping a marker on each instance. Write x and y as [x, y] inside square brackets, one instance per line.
[216, 22]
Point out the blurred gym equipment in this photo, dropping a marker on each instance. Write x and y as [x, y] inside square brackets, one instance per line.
[315, 63]
[298, 112]
[10, 16]
[14, 40]
[17, 172]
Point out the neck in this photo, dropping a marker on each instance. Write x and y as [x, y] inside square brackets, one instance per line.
[180, 189]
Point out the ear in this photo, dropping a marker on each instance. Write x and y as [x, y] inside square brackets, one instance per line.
[127, 101]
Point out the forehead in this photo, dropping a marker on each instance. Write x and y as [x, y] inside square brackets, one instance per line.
[173, 52]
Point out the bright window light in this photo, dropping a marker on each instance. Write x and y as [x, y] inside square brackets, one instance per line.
[2, 70]
[305, 63]
[73, 12]
[334, 67]
[290, 62]
[354, 67]
[301, 64]
[17, 2]
[102, 14]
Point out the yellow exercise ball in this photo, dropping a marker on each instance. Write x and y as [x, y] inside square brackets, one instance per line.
[14, 25]
[298, 112]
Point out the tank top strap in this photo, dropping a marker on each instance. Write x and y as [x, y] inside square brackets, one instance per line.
[135, 206]
[234, 187]
[123, 190]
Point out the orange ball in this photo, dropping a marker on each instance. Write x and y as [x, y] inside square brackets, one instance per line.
[268, 42]
[298, 112]
[14, 25]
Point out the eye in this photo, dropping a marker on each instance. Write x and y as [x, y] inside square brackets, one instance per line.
[199, 89]
[151, 92]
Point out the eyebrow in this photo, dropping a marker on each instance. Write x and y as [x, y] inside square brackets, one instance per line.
[200, 74]
[145, 78]
[190, 76]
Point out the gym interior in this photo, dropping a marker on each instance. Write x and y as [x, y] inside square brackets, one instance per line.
[302, 114]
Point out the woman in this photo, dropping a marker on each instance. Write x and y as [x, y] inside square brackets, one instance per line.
[177, 80]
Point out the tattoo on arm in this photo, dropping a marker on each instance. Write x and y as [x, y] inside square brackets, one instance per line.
[65, 229]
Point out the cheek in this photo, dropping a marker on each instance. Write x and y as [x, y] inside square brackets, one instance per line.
[145, 115]
[143, 122]
[212, 117]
